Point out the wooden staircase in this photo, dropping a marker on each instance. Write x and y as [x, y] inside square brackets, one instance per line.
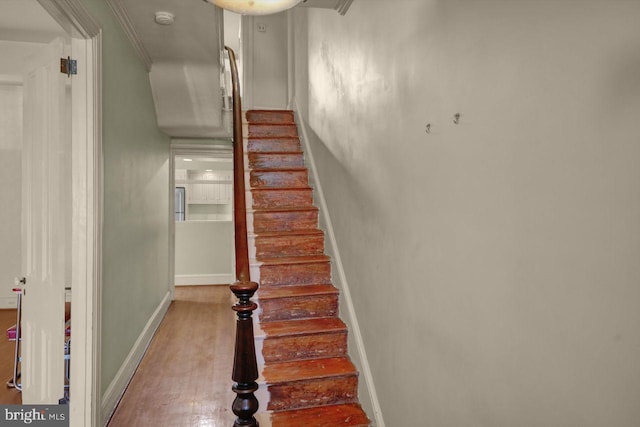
[310, 379]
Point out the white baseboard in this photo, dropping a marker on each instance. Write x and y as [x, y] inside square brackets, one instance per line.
[352, 320]
[8, 302]
[116, 389]
[203, 279]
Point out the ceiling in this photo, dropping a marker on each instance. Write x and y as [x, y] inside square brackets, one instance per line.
[204, 163]
[194, 35]
[183, 58]
[27, 21]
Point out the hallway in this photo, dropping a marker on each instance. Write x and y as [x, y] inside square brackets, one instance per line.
[185, 376]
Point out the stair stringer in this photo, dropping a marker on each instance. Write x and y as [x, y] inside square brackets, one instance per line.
[366, 389]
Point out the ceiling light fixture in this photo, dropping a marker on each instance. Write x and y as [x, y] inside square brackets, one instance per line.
[188, 160]
[255, 7]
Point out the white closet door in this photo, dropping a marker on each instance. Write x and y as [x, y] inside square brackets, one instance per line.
[46, 233]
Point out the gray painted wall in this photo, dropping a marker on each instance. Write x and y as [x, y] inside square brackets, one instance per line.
[493, 264]
[136, 198]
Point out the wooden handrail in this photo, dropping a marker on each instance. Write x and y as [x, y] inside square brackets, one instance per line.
[239, 204]
[245, 367]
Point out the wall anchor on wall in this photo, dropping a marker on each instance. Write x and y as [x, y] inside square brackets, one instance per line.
[456, 118]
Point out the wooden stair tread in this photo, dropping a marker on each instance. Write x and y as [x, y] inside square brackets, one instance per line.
[274, 124]
[283, 169]
[303, 259]
[264, 144]
[287, 233]
[303, 326]
[347, 415]
[278, 152]
[284, 209]
[303, 370]
[258, 137]
[272, 130]
[274, 292]
[269, 116]
[273, 161]
[269, 110]
[292, 189]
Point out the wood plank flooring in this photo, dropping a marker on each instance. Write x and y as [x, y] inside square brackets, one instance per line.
[185, 377]
[8, 396]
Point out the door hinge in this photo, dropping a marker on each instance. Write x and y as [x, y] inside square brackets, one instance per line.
[68, 66]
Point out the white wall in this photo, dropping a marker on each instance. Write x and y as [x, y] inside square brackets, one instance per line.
[265, 64]
[232, 31]
[493, 264]
[204, 252]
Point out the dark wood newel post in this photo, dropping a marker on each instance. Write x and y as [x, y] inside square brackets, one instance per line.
[245, 367]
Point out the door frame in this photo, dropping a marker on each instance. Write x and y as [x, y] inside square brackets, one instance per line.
[186, 149]
[86, 237]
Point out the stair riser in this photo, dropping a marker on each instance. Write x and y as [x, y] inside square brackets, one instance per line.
[272, 199]
[303, 394]
[348, 415]
[295, 274]
[264, 222]
[316, 346]
[274, 247]
[272, 131]
[257, 116]
[275, 161]
[279, 179]
[273, 145]
[299, 307]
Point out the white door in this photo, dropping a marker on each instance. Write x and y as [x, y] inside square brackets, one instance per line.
[46, 230]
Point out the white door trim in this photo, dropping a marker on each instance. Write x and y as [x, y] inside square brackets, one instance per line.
[87, 208]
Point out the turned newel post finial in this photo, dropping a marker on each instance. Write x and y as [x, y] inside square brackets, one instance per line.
[245, 368]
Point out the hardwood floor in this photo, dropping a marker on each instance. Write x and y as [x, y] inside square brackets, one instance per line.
[185, 377]
[8, 396]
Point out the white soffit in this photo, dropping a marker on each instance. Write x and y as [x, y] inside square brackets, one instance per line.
[183, 58]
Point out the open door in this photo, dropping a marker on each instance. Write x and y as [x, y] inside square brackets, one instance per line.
[46, 229]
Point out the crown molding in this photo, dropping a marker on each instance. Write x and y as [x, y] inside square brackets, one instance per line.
[343, 6]
[340, 6]
[72, 16]
[127, 26]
